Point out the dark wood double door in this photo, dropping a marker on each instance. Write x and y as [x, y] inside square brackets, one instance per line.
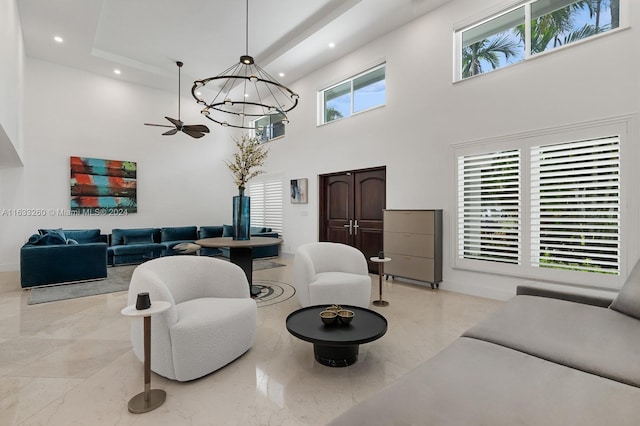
[351, 209]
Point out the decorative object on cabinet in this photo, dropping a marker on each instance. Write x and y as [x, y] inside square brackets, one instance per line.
[413, 239]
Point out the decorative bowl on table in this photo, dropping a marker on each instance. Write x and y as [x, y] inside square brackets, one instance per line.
[329, 317]
[345, 316]
[334, 308]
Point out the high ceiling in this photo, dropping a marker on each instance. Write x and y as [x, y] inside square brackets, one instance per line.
[144, 38]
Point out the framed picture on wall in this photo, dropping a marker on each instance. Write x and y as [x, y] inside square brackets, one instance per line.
[103, 185]
[299, 191]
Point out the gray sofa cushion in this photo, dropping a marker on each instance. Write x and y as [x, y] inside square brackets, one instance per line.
[592, 339]
[473, 382]
[628, 300]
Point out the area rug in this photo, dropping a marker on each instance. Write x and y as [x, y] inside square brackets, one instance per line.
[118, 278]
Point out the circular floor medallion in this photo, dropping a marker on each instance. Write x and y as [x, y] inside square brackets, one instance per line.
[272, 292]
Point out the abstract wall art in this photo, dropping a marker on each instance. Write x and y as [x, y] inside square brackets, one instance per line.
[103, 185]
[299, 191]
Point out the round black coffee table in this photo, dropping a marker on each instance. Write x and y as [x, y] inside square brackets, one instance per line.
[336, 345]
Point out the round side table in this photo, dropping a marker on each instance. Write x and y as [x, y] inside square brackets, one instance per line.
[380, 263]
[149, 399]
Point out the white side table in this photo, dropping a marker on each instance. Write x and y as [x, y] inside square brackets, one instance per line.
[380, 263]
[150, 399]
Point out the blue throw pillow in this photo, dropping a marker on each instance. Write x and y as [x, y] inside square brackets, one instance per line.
[53, 237]
[227, 231]
[138, 239]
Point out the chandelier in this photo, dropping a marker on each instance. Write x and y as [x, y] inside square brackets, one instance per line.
[243, 93]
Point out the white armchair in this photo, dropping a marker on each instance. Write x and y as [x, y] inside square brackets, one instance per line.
[211, 321]
[327, 273]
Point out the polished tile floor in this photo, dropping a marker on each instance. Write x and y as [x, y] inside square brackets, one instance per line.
[70, 362]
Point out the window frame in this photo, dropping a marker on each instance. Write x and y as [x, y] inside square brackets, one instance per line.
[619, 126]
[350, 80]
[271, 125]
[508, 7]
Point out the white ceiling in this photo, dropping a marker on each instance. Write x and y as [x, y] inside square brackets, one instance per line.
[144, 38]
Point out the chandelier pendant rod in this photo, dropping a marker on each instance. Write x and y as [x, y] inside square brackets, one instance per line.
[246, 29]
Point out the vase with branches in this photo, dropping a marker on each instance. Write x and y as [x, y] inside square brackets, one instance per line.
[250, 155]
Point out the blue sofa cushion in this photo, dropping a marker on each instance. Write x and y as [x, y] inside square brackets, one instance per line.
[117, 235]
[179, 233]
[137, 239]
[227, 231]
[210, 231]
[84, 236]
[50, 237]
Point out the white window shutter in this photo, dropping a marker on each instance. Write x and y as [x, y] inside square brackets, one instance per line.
[575, 206]
[489, 207]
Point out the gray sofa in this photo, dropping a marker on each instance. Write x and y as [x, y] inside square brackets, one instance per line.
[548, 357]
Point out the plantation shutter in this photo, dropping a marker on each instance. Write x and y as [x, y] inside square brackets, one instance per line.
[266, 204]
[489, 207]
[575, 206]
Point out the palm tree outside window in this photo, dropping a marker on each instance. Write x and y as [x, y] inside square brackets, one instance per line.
[506, 39]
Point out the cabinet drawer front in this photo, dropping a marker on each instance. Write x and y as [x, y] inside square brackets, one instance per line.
[417, 268]
[419, 245]
[414, 221]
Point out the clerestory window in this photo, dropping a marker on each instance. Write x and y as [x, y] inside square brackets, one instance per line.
[529, 29]
[354, 95]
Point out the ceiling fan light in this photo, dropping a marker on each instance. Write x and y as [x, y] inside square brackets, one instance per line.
[205, 112]
[253, 78]
[228, 101]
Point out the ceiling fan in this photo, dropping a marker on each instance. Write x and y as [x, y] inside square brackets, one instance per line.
[195, 130]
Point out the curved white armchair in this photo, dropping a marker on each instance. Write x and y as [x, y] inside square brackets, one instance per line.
[211, 321]
[327, 273]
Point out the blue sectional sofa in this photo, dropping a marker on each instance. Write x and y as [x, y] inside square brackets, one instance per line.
[55, 256]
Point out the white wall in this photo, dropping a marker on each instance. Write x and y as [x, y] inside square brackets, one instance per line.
[11, 71]
[181, 180]
[426, 113]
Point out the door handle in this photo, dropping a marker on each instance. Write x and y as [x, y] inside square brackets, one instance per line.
[356, 226]
[350, 226]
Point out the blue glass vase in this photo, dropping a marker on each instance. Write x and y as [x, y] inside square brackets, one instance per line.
[241, 216]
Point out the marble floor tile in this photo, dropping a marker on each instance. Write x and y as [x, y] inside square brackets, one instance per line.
[71, 363]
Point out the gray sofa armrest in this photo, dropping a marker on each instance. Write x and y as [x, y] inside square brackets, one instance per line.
[586, 296]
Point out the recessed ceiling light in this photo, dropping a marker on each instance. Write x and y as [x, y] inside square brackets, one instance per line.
[199, 93]
[332, 45]
[58, 39]
[281, 74]
[116, 71]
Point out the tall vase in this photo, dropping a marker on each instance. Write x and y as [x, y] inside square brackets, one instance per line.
[241, 216]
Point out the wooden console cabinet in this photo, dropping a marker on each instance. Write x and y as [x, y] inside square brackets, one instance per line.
[413, 241]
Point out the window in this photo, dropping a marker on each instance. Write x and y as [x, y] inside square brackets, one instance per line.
[489, 206]
[269, 127]
[575, 206]
[534, 27]
[266, 203]
[545, 205]
[357, 94]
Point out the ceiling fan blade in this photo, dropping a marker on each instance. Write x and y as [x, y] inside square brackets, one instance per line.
[193, 134]
[157, 125]
[196, 128]
[170, 132]
[175, 122]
